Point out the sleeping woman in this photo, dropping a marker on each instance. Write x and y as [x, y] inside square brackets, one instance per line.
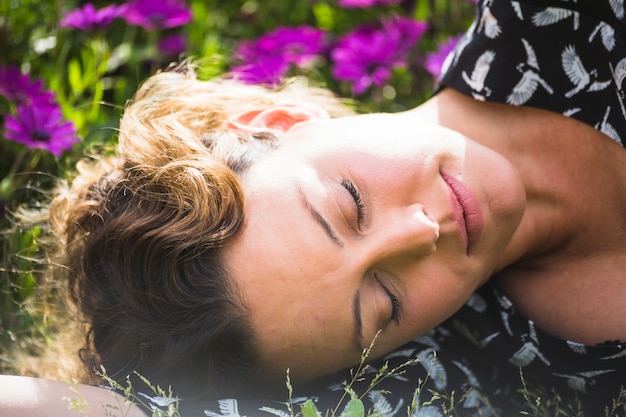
[240, 232]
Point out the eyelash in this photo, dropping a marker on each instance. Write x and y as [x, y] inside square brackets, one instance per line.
[356, 196]
[396, 307]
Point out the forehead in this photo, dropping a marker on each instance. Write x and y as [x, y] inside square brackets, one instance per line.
[386, 136]
[289, 276]
[344, 130]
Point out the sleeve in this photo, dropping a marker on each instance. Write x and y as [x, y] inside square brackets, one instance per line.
[565, 57]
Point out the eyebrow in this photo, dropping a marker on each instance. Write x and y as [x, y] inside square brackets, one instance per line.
[356, 304]
[358, 321]
[319, 219]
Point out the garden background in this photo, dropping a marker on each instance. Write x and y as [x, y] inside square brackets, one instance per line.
[67, 68]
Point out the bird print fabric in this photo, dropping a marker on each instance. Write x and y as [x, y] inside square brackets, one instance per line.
[580, 72]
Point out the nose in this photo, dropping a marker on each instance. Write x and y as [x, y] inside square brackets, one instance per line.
[407, 231]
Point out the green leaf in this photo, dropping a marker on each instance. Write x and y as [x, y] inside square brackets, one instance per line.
[75, 78]
[324, 16]
[355, 408]
[309, 409]
[26, 285]
[98, 94]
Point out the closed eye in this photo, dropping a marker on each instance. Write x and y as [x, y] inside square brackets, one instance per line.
[360, 208]
[396, 307]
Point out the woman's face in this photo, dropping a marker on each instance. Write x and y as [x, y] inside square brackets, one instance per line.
[366, 223]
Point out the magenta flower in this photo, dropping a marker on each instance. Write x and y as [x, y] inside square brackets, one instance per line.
[268, 69]
[173, 44]
[434, 60]
[367, 55]
[40, 124]
[157, 14]
[406, 31]
[19, 87]
[90, 19]
[267, 59]
[366, 3]
[297, 45]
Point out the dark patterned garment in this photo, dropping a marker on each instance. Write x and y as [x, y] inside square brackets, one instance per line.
[568, 56]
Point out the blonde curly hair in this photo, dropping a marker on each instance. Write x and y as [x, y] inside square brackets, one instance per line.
[141, 232]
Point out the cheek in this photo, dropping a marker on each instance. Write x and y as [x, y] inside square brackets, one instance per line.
[387, 175]
[435, 298]
[502, 188]
[375, 310]
[324, 311]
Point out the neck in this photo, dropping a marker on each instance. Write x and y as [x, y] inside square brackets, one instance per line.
[553, 156]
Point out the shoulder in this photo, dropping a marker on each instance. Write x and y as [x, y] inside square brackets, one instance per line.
[34, 397]
[574, 298]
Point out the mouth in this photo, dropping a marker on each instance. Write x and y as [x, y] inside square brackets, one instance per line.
[466, 211]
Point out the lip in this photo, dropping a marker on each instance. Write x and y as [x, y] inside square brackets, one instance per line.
[466, 210]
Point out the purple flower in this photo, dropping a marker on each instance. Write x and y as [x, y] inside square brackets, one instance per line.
[267, 59]
[366, 3]
[40, 124]
[19, 87]
[434, 60]
[297, 45]
[405, 30]
[367, 55]
[90, 19]
[173, 44]
[268, 69]
[157, 14]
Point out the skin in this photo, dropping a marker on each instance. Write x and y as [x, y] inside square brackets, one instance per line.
[34, 397]
[565, 267]
[303, 283]
[300, 285]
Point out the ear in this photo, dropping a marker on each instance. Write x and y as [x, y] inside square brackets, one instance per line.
[280, 118]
